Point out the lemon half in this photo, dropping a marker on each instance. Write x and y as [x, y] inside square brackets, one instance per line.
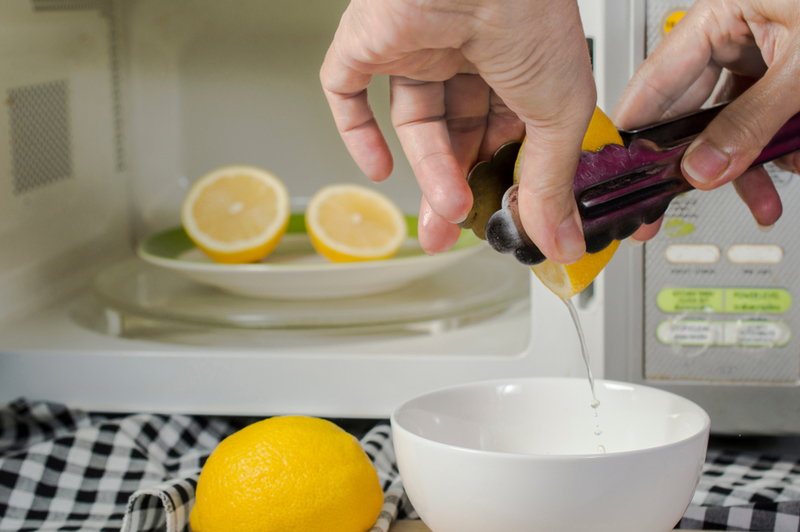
[350, 222]
[236, 214]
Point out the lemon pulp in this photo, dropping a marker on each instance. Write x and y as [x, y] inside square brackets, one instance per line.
[350, 222]
[236, 214]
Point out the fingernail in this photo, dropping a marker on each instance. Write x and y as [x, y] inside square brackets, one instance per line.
[632, 242]
[705, 163]
[765, 228]
[569, 238]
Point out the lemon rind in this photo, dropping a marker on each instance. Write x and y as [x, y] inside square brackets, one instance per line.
[314, 228]
[202, 239]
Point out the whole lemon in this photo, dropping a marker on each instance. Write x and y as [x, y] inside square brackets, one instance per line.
[287, 474]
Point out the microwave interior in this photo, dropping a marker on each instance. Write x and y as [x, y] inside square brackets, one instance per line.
[112, 110]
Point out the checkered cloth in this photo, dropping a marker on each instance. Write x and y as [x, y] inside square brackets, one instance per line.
[62, 469]
[744, 491]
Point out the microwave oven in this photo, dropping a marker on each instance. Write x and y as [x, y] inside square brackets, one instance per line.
[114, 107]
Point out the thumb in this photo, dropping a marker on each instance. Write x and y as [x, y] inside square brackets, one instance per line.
[547, 205]
[730, 144]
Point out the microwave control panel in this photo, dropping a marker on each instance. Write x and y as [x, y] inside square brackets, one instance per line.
[721, 294]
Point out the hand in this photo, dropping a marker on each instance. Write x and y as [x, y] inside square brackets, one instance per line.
[756, 44]
[466, 77]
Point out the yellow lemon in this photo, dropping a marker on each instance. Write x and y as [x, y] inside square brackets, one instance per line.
[287, 474]
[349, 223]
[236, 214]
[601, 132]
[567, 280]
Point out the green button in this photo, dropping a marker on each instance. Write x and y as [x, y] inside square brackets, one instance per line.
[690, 299]
[739, 333]
[750, 300]
[725, 300]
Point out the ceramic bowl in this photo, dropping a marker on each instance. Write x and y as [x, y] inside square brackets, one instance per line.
[531, 455]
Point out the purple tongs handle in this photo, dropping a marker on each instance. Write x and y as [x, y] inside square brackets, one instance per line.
[619, 188]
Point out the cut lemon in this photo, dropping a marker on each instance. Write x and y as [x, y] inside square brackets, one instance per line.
[349, 223]
[567, 280]
[236, 214]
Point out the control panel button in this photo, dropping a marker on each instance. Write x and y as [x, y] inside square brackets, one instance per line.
[692, 254]
[672, 19]
[752, 300]
[755, 254]
[741, 333]
[691, 300]
[725, 300]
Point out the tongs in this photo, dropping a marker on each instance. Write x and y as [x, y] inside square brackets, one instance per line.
[617, 189]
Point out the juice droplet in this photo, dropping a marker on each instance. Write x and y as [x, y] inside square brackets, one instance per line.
[601, 449]
[597, 431]
[594, 404]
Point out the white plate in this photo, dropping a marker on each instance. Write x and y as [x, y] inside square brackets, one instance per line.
[295, 271]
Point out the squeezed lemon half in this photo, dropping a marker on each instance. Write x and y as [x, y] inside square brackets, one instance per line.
[236, 214]
[567, 280]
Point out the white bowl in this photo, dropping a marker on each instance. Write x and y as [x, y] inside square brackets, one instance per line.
[523, 455]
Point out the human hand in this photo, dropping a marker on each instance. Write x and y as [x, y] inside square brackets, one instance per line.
[757, 43]
[466, 77]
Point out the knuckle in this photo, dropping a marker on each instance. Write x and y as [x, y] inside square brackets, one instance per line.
[789, 163]
[744, 132]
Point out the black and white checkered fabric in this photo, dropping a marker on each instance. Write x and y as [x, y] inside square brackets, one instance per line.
[743, 491]
[62, 469]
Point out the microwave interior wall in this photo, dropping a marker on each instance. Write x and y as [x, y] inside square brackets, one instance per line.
[112, 110]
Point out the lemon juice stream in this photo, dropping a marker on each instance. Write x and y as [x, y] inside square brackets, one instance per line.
[585, 352]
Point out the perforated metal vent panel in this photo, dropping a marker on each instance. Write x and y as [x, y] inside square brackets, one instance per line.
[39, 122]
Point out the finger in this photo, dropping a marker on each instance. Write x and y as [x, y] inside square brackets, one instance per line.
[677, 77]
[733, 140]
[645, 233]
[733, 86]
[636, 109]
[546, 198]
[757, 190]
[418, 115]
[346, 91]
[466, 113]
[789, 163]
[503, 126]
[435, 234]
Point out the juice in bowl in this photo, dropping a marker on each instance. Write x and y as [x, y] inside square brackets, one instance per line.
[531, 454]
